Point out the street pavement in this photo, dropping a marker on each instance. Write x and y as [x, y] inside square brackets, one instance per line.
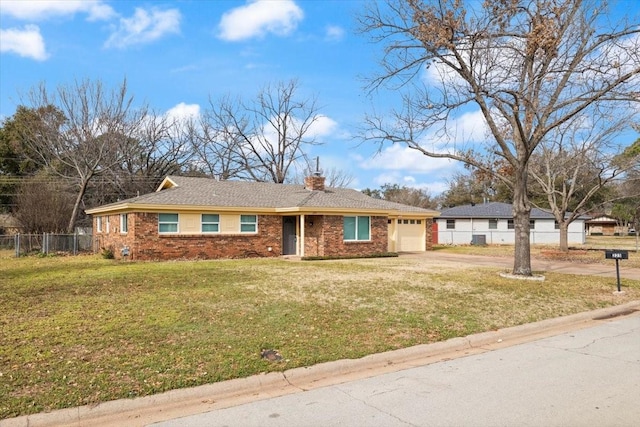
[579, 370]
[588, 377]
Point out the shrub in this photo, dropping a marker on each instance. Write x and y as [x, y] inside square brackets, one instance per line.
[107, 253]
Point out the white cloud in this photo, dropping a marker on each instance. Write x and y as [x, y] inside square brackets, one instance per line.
[408, 160]
[183, 112]
[322, 126]
[470, 127]
[386, 178]
[409, 180]
[45, 9]
[27, 42]
[258, 18]
[436, 188]
[176, 117]
[334, 33]
[145, 26]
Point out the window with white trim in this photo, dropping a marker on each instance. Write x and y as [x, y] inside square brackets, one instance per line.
[168, 223]
[451, 224]
[493, 224]
[210, 223]
[248, 223]
[356, 228]
[124, 223]
[99, 224]
[106, 224]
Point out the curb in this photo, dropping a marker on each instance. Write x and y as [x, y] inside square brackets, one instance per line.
[176, 403]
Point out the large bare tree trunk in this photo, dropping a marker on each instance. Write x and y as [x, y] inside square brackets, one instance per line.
[521, 216]
[564, 237]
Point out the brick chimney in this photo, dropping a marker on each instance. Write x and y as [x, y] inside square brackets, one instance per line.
[314, 183]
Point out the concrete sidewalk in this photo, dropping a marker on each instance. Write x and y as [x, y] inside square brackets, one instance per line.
[178, 404]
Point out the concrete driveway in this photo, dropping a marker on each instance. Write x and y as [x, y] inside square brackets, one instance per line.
[601, 270]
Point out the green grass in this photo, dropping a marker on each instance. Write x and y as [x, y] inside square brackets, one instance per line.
[81, 330]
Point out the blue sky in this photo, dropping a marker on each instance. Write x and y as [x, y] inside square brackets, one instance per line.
[177, 54]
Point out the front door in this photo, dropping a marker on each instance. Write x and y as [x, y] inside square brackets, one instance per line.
[289, 235]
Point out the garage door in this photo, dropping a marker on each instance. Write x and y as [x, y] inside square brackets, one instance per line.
[411, 236]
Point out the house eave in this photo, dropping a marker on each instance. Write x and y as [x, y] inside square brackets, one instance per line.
[143, 207]
[140, 207]
[324, 211]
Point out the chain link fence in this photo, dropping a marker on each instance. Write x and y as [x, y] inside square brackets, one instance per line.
[48, 243]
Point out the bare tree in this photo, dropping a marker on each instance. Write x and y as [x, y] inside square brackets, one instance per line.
[334, 177]
[262, 139]
[526, 67]
[405, 195]
[277, 128]
[217, 137]
[80, 131]
[43, 204]
[338, 178]
[158, 147]
[575, 170]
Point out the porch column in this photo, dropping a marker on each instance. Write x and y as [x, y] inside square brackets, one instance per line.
[302, 235]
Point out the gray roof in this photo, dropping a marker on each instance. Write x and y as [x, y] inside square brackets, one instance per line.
[494, 210]
[206, 192]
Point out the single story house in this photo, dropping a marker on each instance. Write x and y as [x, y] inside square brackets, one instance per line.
[604, 225]
[202, 218]
[492, 223]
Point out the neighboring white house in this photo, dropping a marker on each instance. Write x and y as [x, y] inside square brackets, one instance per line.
[492, 223]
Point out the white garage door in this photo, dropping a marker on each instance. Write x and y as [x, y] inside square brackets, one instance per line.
[411, 236]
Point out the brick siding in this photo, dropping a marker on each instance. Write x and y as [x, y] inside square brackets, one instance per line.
[429, 234]
[145, 243]
[323, 237]
[326, 239]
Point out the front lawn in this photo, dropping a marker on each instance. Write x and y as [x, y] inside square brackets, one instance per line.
[81, 330]
[593, 251]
